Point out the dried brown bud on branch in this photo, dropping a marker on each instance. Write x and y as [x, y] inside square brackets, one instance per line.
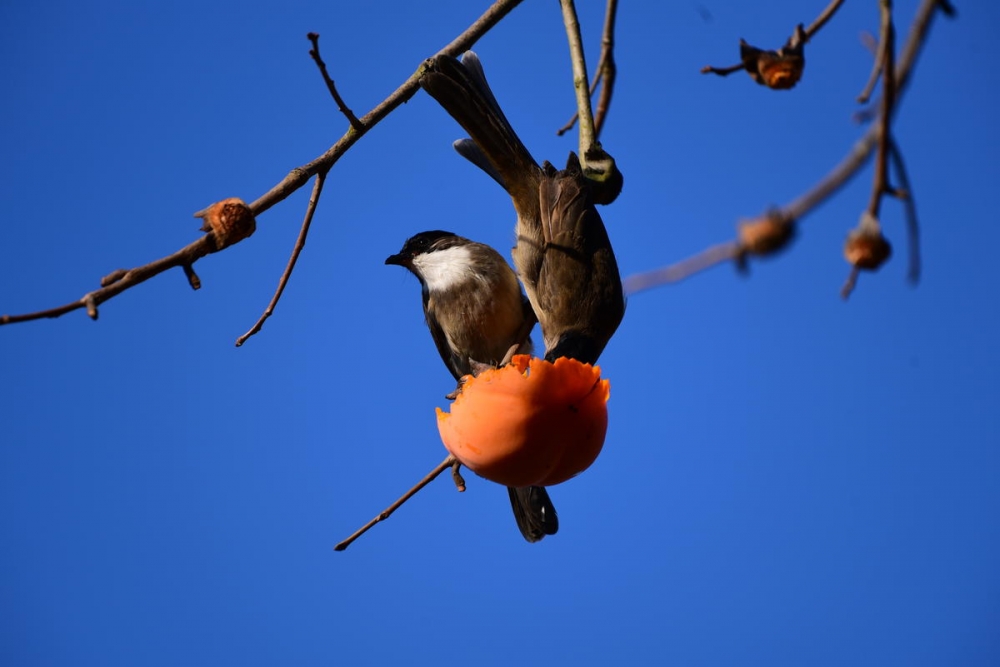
[765, 235]
[866, 249]
[229, 221]
[781, 69]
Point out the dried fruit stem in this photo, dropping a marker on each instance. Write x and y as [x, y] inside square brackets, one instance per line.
[387, 512]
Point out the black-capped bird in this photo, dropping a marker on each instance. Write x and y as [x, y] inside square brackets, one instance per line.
[475, 312]
[563, 255]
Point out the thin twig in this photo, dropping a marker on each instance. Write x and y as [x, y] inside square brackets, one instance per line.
[295, 179]
[456, 475]
[387, 512]
[705, 259]
[869, 88]
[314, 52]
[605, 73]
[300, 243]
[910, 206]
[870, 42]
[721, 71]
[850, 283]
[576, 114]
[608, 67]
[192, 277]
[186, 256]
[584, 112]
[824, 16]
[610, 74]
[837, 178]
[880, 182]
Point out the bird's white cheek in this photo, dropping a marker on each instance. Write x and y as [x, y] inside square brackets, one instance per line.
[446, 268]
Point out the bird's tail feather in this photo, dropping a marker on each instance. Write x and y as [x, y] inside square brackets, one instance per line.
[534, 512]
[460, 87]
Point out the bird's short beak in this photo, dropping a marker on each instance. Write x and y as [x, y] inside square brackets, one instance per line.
[398, 260]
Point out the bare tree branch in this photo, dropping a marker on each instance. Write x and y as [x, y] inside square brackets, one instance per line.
[300, 243]
[824, 16]
[314, 52]
[866, 247]
[910, 205]
[869, 88]
[717, 254]
[387, 512]
[605, 73]
[296, 178]
[880, 185]
[123, 280]
[588, 137]
[837, 178]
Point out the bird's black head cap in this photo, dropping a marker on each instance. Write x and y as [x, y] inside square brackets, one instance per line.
[421, 243]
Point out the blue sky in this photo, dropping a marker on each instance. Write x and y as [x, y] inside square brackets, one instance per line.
[788, 479]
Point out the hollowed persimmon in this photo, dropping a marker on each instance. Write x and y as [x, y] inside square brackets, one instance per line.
[532, 423]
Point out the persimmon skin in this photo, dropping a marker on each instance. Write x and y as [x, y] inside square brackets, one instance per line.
[532, 423]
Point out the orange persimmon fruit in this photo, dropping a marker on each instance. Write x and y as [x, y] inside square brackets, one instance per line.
[532, 423]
